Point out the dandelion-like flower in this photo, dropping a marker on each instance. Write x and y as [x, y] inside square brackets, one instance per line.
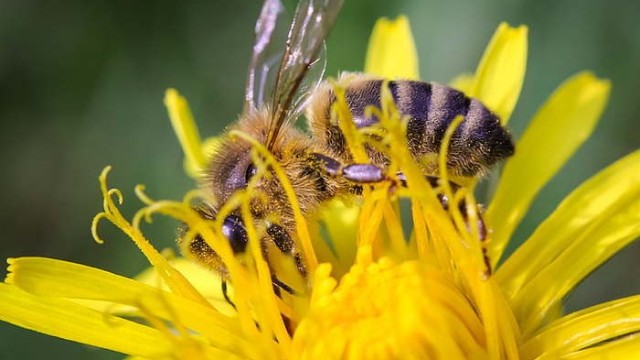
[374, 291]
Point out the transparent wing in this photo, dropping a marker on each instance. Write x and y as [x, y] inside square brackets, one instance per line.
[310, 82]
[263, 58]
[311, 24]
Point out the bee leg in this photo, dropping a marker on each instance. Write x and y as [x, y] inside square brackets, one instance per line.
[225, 293]
[327, 164]
[358, 173]
[444, 201]
[482, 233]
[482, 230]
[363, 173]
[434, 182]
[283, 241]
[480, 226]
[277, 285]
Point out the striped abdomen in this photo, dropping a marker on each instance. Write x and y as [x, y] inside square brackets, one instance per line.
[479, 142]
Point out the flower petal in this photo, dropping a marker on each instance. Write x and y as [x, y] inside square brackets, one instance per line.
[464, 83]
[187, 132]
[55, 278]
[501, 71]
[585, 328]
[64, 319]
[563, 123]
[589, 226]
[205, 281]
[627, 347]
[340, 220]
[392, 52]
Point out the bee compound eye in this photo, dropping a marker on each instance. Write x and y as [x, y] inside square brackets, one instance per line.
[233, 229]
[250, 172]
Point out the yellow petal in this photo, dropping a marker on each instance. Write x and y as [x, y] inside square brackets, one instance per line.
[585, 328]
[464, 83]
[392, 52]
[205, 281]
[341, 222]
[186, 131]
[589, 226]
[64, 319]
[501, 71]
[627, 347]
[55, 278]
[563, 123]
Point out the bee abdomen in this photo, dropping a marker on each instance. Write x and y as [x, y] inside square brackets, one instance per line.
[479, 141]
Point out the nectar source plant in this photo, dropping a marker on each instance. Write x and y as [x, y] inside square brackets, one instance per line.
[296, 250]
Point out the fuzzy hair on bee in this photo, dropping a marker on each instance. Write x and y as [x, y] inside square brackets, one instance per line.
[477, 144]
[231, 168]
[318, 165]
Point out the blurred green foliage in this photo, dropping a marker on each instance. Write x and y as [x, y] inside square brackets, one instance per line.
[82, 82]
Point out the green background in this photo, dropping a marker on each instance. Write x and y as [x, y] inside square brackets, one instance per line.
[82, 83]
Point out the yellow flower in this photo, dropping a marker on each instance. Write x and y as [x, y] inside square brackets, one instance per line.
[373, 290]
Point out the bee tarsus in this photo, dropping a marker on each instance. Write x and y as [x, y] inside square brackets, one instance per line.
[357, 173]
[363, 173]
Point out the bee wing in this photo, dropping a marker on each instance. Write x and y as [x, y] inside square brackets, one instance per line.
[311, 24]
[310, 82]
[263, 58]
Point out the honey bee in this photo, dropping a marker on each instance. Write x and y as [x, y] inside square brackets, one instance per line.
[318, 164]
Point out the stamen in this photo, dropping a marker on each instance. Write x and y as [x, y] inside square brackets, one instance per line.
[173, 278]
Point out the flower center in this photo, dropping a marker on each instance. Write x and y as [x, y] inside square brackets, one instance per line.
[388, 310]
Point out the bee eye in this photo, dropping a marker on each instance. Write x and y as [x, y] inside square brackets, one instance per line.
[233, 229]
[250, 172]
